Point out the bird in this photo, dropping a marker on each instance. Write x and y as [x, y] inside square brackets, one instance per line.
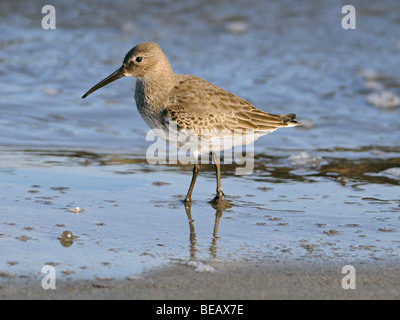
[195, 107]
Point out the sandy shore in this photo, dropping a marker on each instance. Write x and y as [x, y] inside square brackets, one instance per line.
[233, 280]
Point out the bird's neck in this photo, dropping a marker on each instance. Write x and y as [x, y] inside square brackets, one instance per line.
[153, 92]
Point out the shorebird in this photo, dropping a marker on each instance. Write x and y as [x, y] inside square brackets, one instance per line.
[196, 107]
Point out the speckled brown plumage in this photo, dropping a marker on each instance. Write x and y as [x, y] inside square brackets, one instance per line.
[197, 105]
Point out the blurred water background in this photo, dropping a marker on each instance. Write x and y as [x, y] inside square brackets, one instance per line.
[326, 190]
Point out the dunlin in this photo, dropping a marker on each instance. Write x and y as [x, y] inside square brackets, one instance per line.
[196, 107]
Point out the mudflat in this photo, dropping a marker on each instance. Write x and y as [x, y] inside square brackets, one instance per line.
[229, 280]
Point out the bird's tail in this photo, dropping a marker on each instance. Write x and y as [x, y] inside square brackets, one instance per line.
[289, 119]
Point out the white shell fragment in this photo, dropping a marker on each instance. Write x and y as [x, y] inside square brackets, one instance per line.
[76, 210]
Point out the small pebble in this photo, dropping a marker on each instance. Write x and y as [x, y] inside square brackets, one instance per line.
[76, 210]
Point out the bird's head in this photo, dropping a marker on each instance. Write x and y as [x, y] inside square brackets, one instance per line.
[146, 60]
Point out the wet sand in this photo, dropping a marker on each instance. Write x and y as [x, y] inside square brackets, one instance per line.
[267, 246]
[230, 280]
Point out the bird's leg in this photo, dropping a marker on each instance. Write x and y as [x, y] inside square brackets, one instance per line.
[196, 169]
[218, 198]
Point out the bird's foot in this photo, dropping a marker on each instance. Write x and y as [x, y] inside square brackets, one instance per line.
[218, 198]
[220, 203]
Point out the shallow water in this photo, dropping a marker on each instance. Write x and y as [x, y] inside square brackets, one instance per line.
[327, 190]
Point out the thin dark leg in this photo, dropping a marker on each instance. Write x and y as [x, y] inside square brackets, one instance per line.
[194, 177]
[218, 198]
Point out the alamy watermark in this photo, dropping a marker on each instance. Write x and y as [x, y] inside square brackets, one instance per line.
[234, 147]
[349, 280]
[49, 280]
[349, 20]
[49, 20]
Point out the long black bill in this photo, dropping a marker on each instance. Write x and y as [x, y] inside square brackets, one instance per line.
[112, 77]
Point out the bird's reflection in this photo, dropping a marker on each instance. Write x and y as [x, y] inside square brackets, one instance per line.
[192, 235]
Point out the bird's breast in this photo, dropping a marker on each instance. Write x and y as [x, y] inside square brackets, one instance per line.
[149, 105]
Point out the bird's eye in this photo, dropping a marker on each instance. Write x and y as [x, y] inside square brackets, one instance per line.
[139, 59]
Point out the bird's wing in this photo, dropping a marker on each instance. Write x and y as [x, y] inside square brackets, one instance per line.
[197, 105]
